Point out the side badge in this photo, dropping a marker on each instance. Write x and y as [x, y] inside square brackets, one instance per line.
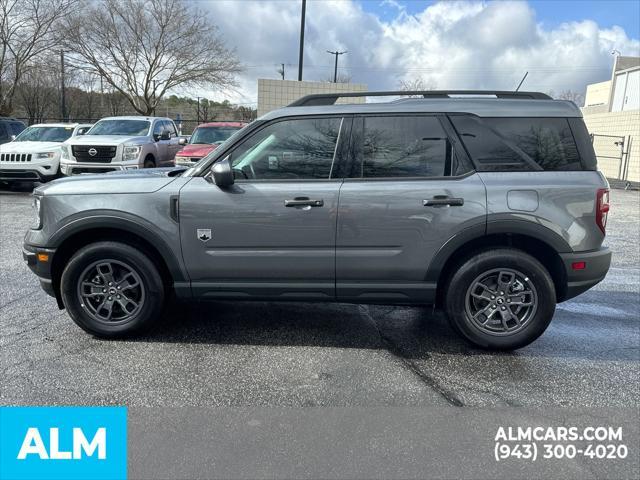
[203, 234]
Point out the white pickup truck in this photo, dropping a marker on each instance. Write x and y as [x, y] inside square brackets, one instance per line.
[34, 155]
[122, 143]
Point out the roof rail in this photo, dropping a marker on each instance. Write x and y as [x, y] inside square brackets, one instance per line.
[331, 98]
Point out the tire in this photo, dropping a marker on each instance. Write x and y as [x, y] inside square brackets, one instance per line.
[498, 318]
[135, 306]
[149, 162]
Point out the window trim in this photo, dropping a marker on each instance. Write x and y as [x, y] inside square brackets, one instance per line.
[456, 145]
[337, 152]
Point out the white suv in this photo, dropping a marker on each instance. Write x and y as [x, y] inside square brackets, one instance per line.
[34, 155]
[122, 143]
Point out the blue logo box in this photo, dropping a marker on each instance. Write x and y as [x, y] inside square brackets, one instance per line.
[63, 443]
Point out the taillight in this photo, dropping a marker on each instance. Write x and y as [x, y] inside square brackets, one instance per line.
[602, 208]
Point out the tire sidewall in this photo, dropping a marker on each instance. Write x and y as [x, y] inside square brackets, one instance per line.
[154, 291]
[507, 259]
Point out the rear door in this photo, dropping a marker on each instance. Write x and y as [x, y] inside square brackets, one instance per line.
[410, 189]
[272, 233]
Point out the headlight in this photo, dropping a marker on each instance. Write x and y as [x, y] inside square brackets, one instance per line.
[37, 221]
[45, 155]
[131, 152]
[66, 152]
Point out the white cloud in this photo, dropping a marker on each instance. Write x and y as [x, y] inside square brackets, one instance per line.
[450, 45]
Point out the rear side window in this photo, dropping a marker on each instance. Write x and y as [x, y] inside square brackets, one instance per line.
[403, 146]
[16, 128]
[524, 144]
[4, 136]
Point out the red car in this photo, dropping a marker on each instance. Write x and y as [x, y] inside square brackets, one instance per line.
[206, 138]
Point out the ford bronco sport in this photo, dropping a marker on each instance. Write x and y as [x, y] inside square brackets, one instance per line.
[488, 204]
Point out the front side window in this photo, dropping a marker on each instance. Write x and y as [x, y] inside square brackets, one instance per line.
[403, 146]
[291, 149]
[169, 127]
[44, 134]
[131, 128]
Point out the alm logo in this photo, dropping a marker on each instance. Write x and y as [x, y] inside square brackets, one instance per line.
[33, 445]
[57, 443]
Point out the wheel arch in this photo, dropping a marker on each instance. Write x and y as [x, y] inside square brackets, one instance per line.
[544, 246]
[95, 229]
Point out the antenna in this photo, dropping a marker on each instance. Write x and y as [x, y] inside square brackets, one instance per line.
[522, 81]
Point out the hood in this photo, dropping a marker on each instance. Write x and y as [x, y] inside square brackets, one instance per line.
[197, 150]
[147, 180]
[105, 140]
[29, 147]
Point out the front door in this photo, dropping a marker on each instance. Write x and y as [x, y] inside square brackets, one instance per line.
[272, 233]
[410, 190]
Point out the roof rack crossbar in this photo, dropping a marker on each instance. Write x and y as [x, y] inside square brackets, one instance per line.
[331, 98]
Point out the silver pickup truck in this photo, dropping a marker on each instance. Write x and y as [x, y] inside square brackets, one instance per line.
[121, 143]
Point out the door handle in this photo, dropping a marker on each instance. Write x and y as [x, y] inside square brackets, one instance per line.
[442, 201]
[303, 202]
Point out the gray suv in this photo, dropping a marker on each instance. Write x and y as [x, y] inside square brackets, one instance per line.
[488, 204]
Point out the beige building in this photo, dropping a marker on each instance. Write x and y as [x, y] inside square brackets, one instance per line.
[273, 94]
[612, 116]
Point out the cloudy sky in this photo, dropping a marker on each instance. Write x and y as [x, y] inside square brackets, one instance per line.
[448, 44]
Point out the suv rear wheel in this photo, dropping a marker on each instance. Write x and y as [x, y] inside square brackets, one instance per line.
[111, 289]
[500, 299]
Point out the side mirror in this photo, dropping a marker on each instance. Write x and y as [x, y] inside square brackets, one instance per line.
[12, 137]
[182, 141]
[165, 135]
[222, 173]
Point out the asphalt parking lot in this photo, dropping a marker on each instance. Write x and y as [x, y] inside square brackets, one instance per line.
[269, 354]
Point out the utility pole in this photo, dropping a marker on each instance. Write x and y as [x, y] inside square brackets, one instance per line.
[63, 100]
[301, 55]
[154, 98]
[282, 70]
[101, 97]
[335, 68]
[198, 111]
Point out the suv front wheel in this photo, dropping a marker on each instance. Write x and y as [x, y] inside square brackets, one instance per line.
[111, 289]
[501, 299]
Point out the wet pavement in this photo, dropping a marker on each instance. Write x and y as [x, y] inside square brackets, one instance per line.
[294, 354]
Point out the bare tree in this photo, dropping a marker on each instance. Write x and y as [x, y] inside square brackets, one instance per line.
[143, 48]
[575, 97]
[340, 78]
[37, 93]
[28, 29]
[414, 85]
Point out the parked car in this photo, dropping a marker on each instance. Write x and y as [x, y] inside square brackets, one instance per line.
[122, 143]
[35, 153]
[206, 138]
[9, 129]
[491, 208]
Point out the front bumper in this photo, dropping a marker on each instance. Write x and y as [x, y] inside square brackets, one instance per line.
[35, 259]
[596, 266]
[28, 171]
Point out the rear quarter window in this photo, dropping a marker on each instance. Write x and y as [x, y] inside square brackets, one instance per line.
[522, 144]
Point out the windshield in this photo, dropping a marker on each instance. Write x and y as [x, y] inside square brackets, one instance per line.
[211, 135]
[44, 134]
[120, 127]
